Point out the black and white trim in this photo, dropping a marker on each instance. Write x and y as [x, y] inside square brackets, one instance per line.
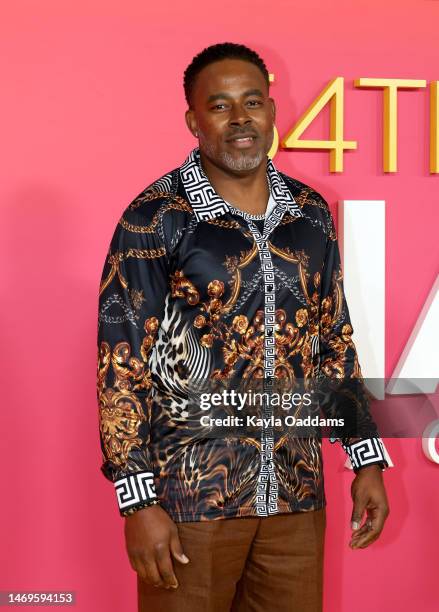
[135, 489]
[207, 204]
[366, 452]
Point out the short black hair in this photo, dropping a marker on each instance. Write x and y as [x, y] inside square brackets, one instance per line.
[215, 53]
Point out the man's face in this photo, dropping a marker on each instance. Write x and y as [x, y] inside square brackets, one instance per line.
[232, 115]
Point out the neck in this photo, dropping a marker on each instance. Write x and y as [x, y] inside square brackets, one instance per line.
[247, 190]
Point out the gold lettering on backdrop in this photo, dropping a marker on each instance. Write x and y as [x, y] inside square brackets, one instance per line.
[390, 113]
[334, 94]
[275, 146]
[434, 127]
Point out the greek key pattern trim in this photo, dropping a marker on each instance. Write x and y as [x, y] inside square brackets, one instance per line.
[134, 489]
[365, 452]
[207, 204]
[267, 486]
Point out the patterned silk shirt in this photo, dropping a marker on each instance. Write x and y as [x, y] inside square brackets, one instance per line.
[194, 288]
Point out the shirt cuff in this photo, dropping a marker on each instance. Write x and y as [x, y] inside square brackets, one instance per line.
[369, 451]
[135, 491]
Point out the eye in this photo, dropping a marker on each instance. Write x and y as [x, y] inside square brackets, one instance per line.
[218, 106]
[254, 102]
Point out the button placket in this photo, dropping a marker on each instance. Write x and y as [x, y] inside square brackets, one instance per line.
[267, 486]
[269, 362]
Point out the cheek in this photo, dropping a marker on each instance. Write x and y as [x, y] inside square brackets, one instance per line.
[213, 128]
[266, 124]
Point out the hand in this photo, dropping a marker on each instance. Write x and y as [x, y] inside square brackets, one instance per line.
[368, 493]
[151, 538]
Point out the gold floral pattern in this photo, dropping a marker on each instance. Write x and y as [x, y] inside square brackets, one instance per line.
[120, 408]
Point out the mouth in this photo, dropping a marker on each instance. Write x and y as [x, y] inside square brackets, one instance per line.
[242, 142]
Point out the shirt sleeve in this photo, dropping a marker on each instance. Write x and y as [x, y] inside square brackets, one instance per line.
[342, 392]
[132, 297]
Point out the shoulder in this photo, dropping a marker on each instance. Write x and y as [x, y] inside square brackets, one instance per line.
[312, 203]
[305, 195]
[158, 212]
[159, 197]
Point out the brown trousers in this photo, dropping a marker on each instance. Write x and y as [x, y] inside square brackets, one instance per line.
[250, 564]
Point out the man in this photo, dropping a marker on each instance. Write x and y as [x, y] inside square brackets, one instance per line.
[226, 268]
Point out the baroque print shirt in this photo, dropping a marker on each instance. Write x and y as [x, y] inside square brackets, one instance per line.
[193, 288]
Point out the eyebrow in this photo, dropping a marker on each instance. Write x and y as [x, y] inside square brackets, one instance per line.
[222, 95]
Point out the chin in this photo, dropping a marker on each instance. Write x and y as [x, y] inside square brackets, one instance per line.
[242, 160]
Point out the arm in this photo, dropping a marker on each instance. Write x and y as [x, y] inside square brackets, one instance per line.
[344, 392]
[347, 397]
[132, 296]
[131, 304]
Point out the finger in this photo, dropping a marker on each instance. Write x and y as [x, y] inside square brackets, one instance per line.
[150, 573]
[367, 525]
[360, 532]
[369, 531]
[357, 513]
[166, 568]
[177, 549]
[365, 540]
[367, 537]
[135, 564]
[377, 517]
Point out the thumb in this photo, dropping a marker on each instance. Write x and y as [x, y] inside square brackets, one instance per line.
[357, 514]
[177, 549]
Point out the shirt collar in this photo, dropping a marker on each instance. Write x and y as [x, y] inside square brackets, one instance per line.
[207, 204]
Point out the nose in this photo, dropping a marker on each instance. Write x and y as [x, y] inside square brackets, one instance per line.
[239, 115]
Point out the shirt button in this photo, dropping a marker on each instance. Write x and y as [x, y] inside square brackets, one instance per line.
[269, 287]
[269, 332]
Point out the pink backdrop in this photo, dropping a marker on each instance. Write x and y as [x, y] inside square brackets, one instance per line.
[92, 111]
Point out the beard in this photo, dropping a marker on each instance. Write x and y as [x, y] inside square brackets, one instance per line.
[244, 160]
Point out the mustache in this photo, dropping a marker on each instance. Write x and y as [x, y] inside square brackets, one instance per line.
[243, 132]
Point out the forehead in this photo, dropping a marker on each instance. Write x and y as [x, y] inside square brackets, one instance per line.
[228, 75]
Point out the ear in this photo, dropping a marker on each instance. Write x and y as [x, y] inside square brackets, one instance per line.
[191, 122]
